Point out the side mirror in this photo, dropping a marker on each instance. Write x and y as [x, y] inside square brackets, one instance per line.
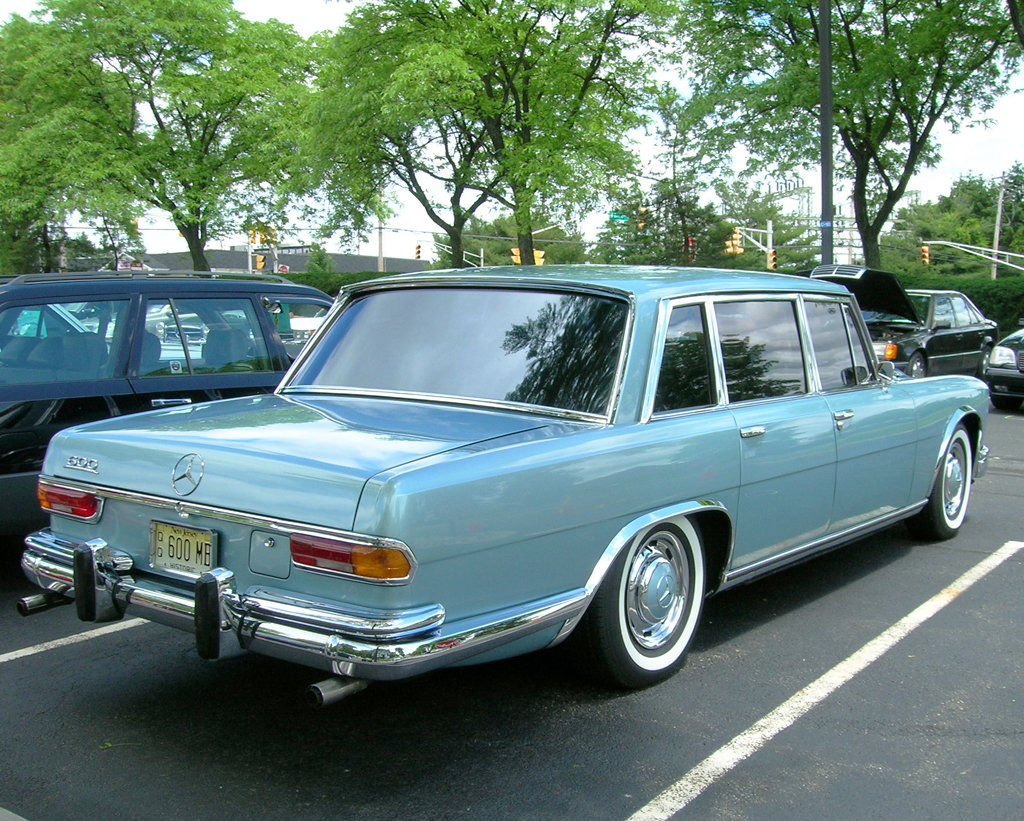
[887, 371]
[944, 325]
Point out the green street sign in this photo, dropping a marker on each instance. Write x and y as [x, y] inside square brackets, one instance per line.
[618, 216]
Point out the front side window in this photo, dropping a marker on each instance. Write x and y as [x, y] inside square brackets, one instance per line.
[684, 380]
[556, 350]
[202, 336]
[761, 349]
[60, 341]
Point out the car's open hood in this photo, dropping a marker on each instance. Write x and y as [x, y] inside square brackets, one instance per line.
[310, 456]
[877, 291]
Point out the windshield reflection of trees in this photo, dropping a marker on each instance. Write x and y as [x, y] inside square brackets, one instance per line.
[572, 347]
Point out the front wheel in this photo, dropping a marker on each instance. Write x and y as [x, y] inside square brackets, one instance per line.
[917, 367]
[644, 615]
[946, 510]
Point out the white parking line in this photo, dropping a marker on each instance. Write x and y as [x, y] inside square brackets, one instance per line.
[75, 639]
[751, 740]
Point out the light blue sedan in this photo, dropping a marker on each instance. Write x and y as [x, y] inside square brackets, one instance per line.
[468, 465]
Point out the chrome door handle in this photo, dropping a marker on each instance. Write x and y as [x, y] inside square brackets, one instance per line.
[750, 433]
[167, 403]
[841, 417]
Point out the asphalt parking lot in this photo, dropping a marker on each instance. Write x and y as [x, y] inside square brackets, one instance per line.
[770, 719]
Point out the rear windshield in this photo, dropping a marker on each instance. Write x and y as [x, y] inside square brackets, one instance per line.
[557, 350]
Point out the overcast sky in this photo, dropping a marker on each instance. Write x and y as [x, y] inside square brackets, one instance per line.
[979, 151]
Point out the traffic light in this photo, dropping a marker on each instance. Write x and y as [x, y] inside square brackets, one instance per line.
[734, 245]
[515, 257]
[261, 260]
[641, 220]
[926, 255]
[419, 250]
[538, 257]
[773, 260]
[252, 235]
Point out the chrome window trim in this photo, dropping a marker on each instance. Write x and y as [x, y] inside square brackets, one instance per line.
[660, 336]
[185, 509]
[285, 387]
[760, 296]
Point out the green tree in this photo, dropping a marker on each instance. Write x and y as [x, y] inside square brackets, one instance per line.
[525, 103]
[319, 261]
[967, 215]
[900, 67]
[187, 107]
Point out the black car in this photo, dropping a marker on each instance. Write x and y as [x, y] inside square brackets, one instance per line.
[77, 348]
[928, 332]
[1005, 372]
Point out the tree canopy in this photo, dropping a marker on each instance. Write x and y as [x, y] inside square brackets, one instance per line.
[520, 102]
[900, 67]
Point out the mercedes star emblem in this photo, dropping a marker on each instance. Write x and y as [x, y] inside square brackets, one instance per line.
[187, 474]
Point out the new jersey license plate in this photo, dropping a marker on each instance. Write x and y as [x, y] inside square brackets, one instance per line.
[188, 550]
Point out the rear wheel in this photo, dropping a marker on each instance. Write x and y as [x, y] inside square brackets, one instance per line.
[643, 617]
[942, 517]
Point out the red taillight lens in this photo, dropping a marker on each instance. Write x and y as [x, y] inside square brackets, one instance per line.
[337, 556]
[78, 503]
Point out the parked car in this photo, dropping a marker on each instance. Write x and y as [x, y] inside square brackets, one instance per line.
[80, 347]
[927, 333]
[469, 465]
[1005, 372]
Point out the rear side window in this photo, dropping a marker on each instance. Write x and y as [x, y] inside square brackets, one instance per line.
[199, 336]
[684, 380]
[761, 349]
[61, 341]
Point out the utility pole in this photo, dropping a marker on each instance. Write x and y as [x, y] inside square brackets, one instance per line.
[999, 225]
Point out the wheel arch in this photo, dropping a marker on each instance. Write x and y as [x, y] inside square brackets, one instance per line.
[971, 421]
[713, 525]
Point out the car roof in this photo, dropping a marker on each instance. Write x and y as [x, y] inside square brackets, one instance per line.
[639, 281]
[89, 283]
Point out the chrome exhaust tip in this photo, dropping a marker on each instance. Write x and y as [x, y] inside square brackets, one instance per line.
[40, 602]
[332, 690]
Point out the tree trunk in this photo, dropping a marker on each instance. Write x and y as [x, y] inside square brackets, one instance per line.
[196, 246]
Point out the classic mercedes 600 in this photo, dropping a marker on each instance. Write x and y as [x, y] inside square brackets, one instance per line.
[468, 465]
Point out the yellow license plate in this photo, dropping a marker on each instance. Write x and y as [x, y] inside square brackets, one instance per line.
[188, 550]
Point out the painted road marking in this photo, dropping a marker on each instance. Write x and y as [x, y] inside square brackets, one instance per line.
[75, 639]
[720, 762]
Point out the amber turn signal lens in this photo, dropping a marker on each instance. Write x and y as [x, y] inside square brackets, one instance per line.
[78, 503]
[337, 556]
[890, 351]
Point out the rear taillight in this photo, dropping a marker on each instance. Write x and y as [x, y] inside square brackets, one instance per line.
[79, 504]
[365, 561]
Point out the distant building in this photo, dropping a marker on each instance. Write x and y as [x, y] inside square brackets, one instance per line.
[294, 258]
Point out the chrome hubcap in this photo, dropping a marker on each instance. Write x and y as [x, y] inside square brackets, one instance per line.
[657, 590]
[953, 480]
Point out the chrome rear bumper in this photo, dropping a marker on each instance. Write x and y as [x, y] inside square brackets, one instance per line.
[348, 641]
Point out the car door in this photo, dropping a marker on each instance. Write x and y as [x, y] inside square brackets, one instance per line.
[969, 336]
[944, 346]
[875, 427]
[785, 431]
[193, 349]
[61, 364]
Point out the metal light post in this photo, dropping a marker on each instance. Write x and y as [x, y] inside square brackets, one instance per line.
[825, 99]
